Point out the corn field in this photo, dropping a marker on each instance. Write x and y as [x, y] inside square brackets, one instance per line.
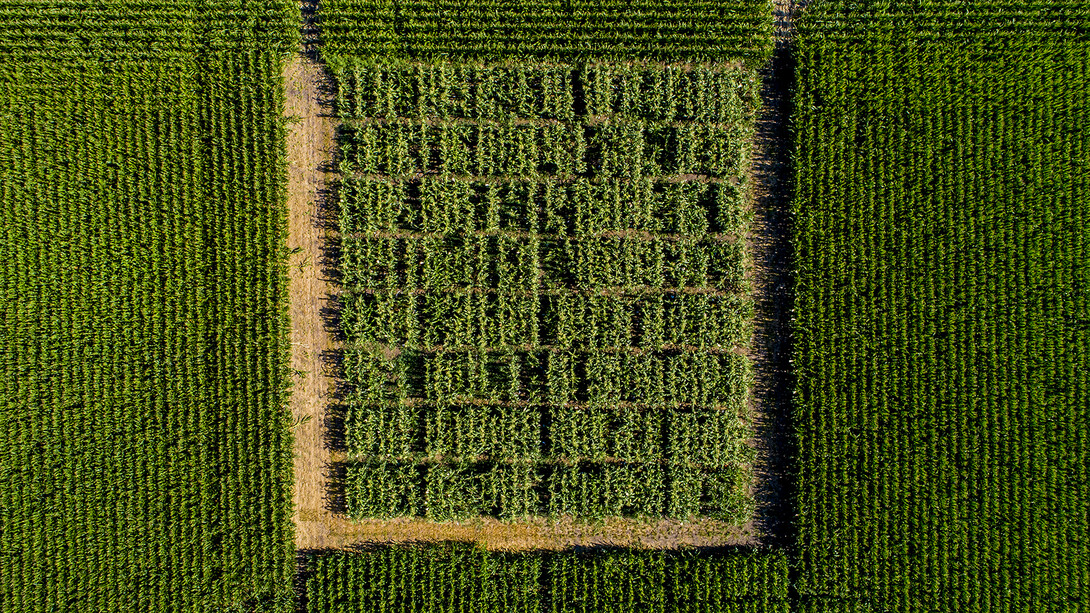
[942, 307]
[558, 269]
[544, 209]
[519, 30]
[461, 577]
[144, 443]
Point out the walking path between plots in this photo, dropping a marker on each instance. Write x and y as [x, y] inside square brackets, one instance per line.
[310, 140]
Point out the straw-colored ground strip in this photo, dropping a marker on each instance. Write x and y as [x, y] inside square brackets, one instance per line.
[310, 144]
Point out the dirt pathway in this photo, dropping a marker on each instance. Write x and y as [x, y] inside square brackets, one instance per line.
[310, 147]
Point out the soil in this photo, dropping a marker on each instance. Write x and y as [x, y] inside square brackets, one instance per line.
[539, 533]
[313, 294]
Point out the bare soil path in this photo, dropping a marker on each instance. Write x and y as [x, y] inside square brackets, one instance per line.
[538, 533]
[311, 140]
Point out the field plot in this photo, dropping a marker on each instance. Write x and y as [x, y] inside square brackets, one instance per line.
[144, 442]
[942, 217]
[460, 577]
[545, 290]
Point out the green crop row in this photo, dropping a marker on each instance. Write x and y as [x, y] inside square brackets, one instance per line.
[942, 340]
[1030, 22]
[698, 377]
[455, 91]
[579, 208]
[566, 433]
[517, 265]
[555, 320]
[453, 490]
[145, 453]
[713, 94]
[382, 31]
[460, 577]
[67, 33]
[750, 581]
[492, 149]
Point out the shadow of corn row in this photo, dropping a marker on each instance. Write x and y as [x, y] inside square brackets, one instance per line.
[772, 255]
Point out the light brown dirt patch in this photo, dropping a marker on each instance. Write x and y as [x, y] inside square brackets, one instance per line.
[540, 533]
[310, 142]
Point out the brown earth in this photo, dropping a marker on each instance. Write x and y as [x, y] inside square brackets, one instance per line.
[313, 295]
[537, 533]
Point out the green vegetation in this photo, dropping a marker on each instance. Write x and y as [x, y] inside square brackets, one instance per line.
[560, 30]
[542, 251]
[545, 289]
[943, 21]
[457, 577]
[542, 225]
[942, 310]
[144, 443]
[78, 33]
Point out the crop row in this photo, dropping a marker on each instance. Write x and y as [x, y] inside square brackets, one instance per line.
[598, 377]
[559, 433]
[71, 33]
[621, 149]
[541, 319]
[712, 94]
[1028, 21]
[379, 31]
[449, 577]
[579, 208]
[454, 490]
[510, 264]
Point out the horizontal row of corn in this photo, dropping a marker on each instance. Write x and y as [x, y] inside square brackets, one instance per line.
[449, 577]
[383, 31]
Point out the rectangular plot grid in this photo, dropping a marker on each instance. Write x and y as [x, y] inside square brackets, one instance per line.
[545, 290]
